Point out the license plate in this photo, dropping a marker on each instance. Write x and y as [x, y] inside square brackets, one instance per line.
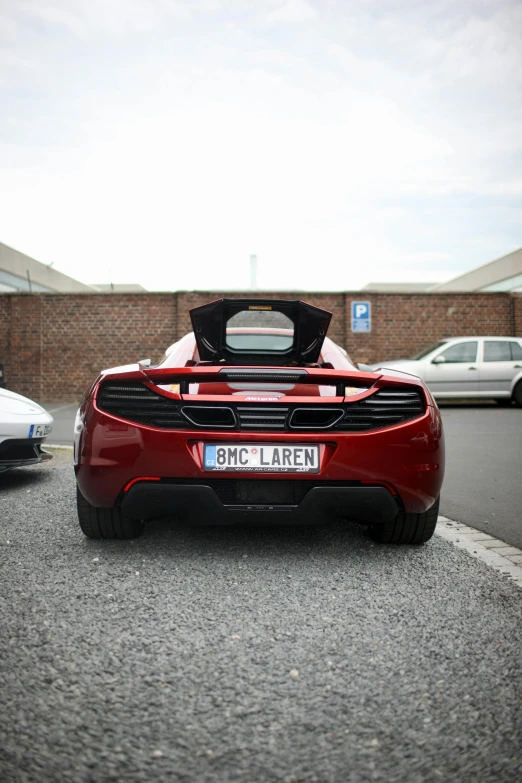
[256, 458]
[39, 430]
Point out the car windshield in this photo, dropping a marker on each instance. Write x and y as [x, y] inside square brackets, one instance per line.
[425, 351]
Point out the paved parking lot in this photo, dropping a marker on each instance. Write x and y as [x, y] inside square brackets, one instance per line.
[483, 482]
[63, 414]
[248, 655]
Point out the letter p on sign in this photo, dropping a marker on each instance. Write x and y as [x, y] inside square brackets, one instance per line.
[361, 317]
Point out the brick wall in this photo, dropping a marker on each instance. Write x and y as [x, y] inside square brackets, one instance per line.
[53, 345]
[5, 323]
[21, 343]
[83, 334]
[516, 312]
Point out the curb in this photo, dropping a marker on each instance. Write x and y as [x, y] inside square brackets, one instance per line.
[57, 446]
[504, 558]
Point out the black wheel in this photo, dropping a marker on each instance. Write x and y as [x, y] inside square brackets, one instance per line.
[517, 394]
[105, 522]
[504, 401]
[407, 528]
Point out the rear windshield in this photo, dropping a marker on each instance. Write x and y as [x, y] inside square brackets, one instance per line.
[257, 341]
[260, 330]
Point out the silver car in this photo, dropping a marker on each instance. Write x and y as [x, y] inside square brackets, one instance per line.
[469, 367]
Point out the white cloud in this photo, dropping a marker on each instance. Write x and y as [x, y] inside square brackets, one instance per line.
[169, 140]
[292, 11]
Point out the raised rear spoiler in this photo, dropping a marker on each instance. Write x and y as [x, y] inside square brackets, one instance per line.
[184, 376]
[348, 383]
[310, 325]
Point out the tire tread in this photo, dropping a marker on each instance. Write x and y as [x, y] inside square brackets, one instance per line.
[408, 528]
[105, 522]
[517, 394]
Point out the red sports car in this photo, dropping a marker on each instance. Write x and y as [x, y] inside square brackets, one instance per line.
[257, 415]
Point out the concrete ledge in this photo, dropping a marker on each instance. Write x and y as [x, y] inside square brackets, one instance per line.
[502, 557]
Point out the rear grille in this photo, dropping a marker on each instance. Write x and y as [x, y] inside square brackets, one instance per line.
[383, 409]
[262, 419]
[135, 402]
[241, 492]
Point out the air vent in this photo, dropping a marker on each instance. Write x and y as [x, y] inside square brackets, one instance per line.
[383, 409]
[317, 418]
[136, 402]
[269, 418]
[209, 416]
[13, 449]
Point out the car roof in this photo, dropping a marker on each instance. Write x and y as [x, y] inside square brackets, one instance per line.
[482, 337]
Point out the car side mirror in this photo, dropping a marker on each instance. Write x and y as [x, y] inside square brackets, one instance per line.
[145, 362]
[439, 359]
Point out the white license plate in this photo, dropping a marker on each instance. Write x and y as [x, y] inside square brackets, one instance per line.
[261, 458]
[39, 430]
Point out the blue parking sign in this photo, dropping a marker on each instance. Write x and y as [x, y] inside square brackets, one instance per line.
[361, 317]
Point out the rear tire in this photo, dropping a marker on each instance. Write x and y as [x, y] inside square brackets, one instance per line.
[407, 528]
[517, 394]
[105, 522]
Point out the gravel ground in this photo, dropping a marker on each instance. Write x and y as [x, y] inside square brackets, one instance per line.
[281, 654]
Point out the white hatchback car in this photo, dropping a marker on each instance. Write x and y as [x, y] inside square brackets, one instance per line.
[24, 425]
[468, 367]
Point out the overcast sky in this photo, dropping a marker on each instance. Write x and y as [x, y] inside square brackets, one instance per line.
[164, 141]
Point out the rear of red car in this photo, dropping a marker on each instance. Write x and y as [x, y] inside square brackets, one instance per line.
[296, 441]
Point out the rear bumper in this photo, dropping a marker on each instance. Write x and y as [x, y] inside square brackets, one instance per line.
[407, 459]
[200, 503]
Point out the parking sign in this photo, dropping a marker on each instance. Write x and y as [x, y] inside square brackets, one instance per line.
[361, 317]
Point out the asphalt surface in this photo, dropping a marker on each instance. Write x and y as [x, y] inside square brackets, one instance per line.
[63, 414]
[285, 654]
[483, 483]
